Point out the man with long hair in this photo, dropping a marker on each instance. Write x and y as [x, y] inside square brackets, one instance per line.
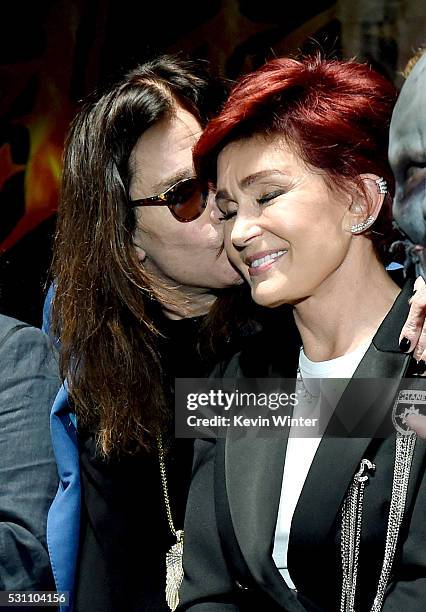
[138, 265]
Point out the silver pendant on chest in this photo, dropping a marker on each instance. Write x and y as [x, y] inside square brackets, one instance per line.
[174, 571]
[351, 526]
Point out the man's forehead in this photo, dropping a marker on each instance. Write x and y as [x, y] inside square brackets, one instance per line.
[418, 71]
[412, 99]
[408, 126]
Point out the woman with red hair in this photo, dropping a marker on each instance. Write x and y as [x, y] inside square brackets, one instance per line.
[299, 521]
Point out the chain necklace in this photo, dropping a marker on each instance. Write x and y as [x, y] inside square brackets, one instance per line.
[174, 565]
[307, 395]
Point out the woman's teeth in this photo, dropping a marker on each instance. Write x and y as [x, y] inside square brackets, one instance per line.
[270, 257]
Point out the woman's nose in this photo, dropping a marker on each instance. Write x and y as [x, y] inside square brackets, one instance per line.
[244, 230]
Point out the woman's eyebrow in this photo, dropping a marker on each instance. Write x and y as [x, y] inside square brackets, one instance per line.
[222, 194]
[256, 176]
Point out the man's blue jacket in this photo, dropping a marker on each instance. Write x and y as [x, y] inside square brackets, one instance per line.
[63, 521]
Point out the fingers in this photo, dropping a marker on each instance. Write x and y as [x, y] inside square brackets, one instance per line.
[419, 284]
[418, 424]
[420, 299]
[413, 338]
[413, 334]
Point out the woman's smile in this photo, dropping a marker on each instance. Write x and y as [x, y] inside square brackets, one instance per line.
[261, 262]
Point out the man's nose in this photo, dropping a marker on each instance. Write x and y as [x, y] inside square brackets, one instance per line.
[214, 213]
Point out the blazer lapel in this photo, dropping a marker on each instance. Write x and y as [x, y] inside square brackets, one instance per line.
[253, 469]
[338, 456]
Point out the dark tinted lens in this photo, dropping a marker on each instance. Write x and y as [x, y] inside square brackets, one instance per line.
[186, 200]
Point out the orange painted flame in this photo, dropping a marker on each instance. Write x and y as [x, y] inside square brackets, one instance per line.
[42, 173]
[48, 120]
[7, 167]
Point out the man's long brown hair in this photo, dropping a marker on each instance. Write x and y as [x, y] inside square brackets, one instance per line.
[106, 306]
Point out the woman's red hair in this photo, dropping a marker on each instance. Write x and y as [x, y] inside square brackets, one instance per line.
[335, 113]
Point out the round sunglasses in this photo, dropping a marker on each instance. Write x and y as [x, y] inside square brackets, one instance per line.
[186, 200]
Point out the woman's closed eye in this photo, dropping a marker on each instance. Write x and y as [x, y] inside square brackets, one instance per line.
[228, 210]
[268, 197]
[228, 215]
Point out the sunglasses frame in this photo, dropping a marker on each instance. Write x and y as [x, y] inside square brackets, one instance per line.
[161, 200]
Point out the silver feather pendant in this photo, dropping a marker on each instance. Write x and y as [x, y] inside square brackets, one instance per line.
[174, 571]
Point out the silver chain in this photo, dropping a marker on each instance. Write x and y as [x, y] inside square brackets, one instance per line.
[165, 484]
[351, 535]
[352, 522]
[403, 458]
[307, 395]
[174, 557]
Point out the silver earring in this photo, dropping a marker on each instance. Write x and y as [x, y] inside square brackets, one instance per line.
[360, 227]
[382, 185]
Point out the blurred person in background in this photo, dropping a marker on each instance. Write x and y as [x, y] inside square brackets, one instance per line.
[29, 382]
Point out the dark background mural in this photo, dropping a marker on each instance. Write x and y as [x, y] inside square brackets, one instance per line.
[53, 53]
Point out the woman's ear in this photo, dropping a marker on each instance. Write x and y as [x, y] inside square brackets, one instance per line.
[366, 204]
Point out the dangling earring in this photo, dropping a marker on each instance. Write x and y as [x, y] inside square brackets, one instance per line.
[382, 185]
[360, 227]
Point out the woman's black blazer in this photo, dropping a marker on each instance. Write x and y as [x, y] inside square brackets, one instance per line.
[235, 493]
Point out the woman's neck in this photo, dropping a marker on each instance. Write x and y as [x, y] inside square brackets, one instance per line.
[346, 310]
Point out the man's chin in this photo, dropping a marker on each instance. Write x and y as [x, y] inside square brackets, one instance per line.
[234, 281]
[232, 278]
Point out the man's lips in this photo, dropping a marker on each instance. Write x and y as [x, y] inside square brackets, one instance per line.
[259, 262]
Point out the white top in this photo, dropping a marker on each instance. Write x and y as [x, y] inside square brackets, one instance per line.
[301, 450]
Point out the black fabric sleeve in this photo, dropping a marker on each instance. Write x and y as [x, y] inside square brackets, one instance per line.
[207, 585]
